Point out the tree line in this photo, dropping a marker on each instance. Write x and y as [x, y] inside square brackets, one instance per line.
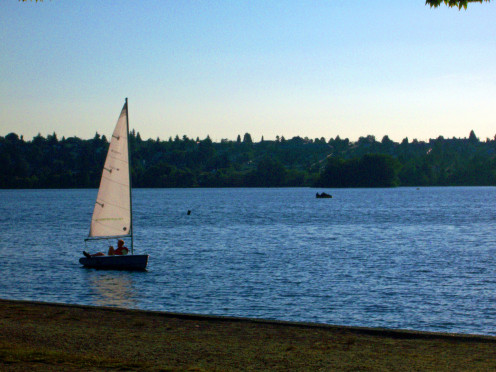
[185, 162]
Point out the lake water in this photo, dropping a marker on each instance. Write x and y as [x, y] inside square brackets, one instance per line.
[408, 258]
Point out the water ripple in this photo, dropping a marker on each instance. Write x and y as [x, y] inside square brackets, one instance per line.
[396, 258]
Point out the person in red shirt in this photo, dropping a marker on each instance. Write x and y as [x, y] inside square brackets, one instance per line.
[120, 251]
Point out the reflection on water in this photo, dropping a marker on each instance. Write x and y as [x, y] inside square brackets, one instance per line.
[112, 289]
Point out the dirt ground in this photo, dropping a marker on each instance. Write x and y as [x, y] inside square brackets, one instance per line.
[52, 337]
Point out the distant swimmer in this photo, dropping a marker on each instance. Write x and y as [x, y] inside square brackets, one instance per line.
[189, 212]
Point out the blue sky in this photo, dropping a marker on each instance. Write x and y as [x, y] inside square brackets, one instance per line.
[223, 68]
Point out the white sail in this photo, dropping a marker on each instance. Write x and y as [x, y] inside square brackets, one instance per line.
[112, 212]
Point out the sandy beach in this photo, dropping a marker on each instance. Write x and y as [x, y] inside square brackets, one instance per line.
[43, 336]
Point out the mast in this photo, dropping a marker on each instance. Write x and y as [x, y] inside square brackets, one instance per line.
[130, 185]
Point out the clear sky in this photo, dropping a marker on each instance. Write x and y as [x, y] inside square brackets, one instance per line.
[222, 68]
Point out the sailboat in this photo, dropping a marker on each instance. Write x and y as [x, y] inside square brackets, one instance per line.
[113, 211]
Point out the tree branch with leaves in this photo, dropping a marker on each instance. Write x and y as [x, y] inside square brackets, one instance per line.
[451, 3]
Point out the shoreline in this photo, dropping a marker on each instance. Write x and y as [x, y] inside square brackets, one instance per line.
[53, 336]
[388, 332]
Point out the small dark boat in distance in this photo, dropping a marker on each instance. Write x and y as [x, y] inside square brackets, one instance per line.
[323, 196]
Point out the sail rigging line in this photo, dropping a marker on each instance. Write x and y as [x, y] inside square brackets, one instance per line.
[114, 181]
[111, 169]
[106, 237]
[109, 227]
[112, 204]
[116, 158]
[130, 183]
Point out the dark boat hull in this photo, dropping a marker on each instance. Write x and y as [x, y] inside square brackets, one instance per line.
[131, 262]
[323, 196]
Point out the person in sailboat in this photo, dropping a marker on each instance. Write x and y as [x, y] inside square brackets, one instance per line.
[120, 251]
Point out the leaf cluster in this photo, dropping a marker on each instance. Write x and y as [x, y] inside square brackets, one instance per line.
[453, 3]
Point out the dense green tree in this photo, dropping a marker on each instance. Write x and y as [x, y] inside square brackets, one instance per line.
[269, 173]
[247, 139]
[372, 170]
[472, 137]
[183, 162]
